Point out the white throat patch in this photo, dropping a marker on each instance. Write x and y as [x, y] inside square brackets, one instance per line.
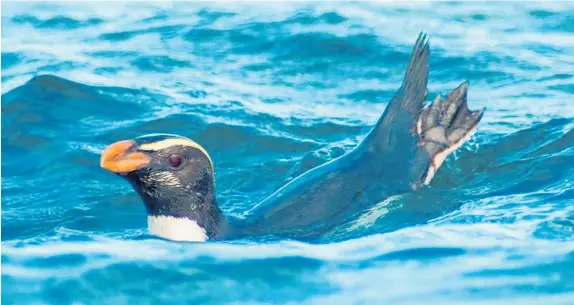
[176, 228]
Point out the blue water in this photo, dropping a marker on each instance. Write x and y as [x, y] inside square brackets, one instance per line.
[272, 90]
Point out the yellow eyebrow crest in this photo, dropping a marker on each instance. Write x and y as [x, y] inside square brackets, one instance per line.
[159, 145]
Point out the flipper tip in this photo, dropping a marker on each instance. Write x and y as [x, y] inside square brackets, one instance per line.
[423, 41]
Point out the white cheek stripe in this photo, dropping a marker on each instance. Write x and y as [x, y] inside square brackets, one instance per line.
[176, 228]
[155, 146]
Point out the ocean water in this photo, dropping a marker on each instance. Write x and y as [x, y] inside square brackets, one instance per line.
[272, 90]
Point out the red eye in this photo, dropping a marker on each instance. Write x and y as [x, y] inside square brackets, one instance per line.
[174, 160]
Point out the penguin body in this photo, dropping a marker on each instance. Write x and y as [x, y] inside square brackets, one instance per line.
[175, 176]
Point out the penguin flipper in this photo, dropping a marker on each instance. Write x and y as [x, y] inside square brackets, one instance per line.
[410, 141]
[397, 122]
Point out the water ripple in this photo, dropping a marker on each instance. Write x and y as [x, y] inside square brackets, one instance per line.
[270, 93]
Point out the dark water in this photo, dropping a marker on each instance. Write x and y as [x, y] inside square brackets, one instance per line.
[272, 91]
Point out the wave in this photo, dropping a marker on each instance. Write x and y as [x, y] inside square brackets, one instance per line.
[272, 92]
[533, 161]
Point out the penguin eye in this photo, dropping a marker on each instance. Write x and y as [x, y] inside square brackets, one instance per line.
[174, 160]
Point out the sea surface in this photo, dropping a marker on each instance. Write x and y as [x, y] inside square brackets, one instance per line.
[272, 90]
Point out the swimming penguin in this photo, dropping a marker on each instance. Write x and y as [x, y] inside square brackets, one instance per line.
[174, 176]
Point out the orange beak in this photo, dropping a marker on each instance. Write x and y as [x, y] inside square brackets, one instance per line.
[116, 160]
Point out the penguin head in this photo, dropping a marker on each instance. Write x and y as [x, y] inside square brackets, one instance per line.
[174, 176]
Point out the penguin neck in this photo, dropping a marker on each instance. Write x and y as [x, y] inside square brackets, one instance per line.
[193, 217]
[176, 228]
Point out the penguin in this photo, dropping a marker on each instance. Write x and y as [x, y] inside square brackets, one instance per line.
[174, 175]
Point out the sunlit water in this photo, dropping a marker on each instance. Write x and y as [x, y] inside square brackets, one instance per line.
[272, 91]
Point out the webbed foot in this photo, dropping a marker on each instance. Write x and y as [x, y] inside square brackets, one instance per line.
[445, 125]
